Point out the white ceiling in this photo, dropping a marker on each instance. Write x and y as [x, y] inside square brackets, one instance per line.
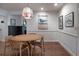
[34, 6]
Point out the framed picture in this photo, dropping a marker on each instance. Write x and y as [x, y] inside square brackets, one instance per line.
[60, 22]
[13, 22]
[69, 20]
[42, 22]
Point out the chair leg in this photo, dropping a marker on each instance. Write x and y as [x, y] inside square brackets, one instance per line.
[31, 49]
[42, 47]
[34, 51]
[20, 49]
[41, 50]
[28, 51]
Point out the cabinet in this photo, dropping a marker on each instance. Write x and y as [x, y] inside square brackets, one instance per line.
[15, 30]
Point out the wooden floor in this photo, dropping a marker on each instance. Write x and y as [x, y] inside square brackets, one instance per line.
[51, 49]
[55, 49]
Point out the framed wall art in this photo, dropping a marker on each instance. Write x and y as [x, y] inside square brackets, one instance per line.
[60, 22]
[13, 22]
[69, 20]
[42, 22]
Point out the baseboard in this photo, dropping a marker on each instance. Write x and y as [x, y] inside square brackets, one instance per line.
[67, 33]
[68, 50]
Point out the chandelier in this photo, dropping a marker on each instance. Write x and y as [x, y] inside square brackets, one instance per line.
[27, 13]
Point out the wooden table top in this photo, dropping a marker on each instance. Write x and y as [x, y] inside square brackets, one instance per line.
[27, 37]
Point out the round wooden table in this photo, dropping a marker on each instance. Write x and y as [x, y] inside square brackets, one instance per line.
[26, 38]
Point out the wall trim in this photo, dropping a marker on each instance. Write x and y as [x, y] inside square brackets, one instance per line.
[41, 31]
[70, 34]
[67, 33]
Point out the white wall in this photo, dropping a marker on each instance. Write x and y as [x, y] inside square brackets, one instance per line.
[6, 16]
[17, 18]
[3, 26]
[68, 8]
[32, 25]
[68, 35]
[77, 29]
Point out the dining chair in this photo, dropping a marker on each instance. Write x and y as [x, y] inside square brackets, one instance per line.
[14, 47]
[38, 46]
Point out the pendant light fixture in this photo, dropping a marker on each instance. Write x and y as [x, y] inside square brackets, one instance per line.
[27, 13]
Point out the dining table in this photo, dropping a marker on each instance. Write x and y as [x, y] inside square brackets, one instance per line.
[26, 38]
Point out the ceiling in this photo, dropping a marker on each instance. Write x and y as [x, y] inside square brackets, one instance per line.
[34, 6]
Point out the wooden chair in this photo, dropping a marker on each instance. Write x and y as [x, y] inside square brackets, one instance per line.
[38, 44]
[14, 46]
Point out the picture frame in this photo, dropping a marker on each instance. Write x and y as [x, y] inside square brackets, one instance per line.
[60, 22]
[69, 20]
[12, 22]
[43, 22]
